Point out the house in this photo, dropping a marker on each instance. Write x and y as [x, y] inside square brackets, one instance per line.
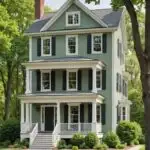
[75, 77]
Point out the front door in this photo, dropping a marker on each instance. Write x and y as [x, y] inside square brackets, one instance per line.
[49, 118]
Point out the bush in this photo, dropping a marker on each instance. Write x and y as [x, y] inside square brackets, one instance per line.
[91, 140]
[75, 148]
[142, 139]
[10, 130]
[5, 144]
[77, 139]
[120, 146]
[83, 146]
[128, 132]
[111, 139]
[136, 142]
[61, 144]
[69, 146]
[101, 147]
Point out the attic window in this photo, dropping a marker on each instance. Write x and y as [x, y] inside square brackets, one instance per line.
[73, 18]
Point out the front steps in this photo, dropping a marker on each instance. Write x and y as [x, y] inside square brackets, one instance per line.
[43, 141]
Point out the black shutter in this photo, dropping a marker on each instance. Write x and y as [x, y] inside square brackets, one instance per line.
[64, 80]
[104, 43]
[103, 113]
[38, 80]
[104, 79]
[82, 113]
[65, 113]
[39, 47]
[79, 80]
[89, 113]
[53, 80]
[118, 114]
[90, 79]
[89, 44]
[53, 46]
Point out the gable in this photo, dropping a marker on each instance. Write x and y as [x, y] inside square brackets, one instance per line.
[85, 20]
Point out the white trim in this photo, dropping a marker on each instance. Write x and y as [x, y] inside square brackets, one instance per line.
[76, 71]
[22, 112]
[30, 48]
[50, 51]
[93, 35]
[45, 71]
[65, 7]
[31, 113]
[76, 50]
[73, 13]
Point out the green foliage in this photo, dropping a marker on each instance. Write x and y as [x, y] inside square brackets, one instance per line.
[61, 144]
[101, 147]
[128, 132]
[120, 146]
[5, 144]
[77, 139]
[75, 148]
[91, 140]
[10, 130]
[111, 139]
[83, 146]
[142, 139]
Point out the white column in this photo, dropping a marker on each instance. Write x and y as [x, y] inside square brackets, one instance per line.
[94, 116]
[94, 89]
[58, 113]
[30, 48]
[27, 81]
[22, 112]
[31, 113]
[27, 113]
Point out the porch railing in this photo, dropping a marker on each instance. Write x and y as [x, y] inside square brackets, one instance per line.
[34, 133]
[26, 127]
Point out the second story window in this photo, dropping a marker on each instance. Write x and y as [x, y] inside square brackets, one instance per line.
[72, 80]
[73, 18]
[72, 44]
[97, 43]
[46, 46]
[99, 79]
[45, 81]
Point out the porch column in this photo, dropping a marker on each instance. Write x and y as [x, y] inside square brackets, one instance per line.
[30, 113]
[27, 113]
[22, 112]
[94, 80]
[94, 116]
[58, 113]
[28, 81]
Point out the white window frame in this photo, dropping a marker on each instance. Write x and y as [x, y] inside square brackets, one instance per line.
[100, 79]
[67, 49]
[45, 71]
[72, 13]
[42, 44]
[68, 71]
[100, 52]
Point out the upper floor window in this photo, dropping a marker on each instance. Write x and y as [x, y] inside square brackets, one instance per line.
[97, 43]
[73, 18]
[99, 79]
[72, 80]
[45, 81]
[72, 44]
[46, 46]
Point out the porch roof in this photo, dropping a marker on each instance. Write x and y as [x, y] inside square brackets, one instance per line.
[63, 63]
[64, 97]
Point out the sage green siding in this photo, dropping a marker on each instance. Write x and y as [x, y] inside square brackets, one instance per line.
[86, 21]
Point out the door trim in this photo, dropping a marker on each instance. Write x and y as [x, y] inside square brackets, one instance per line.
[42, 116]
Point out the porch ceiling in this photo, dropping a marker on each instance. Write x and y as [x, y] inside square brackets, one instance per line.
[62, 98]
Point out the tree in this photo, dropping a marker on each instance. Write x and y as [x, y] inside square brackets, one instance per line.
[142, 52]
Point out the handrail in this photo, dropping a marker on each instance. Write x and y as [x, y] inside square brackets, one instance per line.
[56, 134]
[34, 133]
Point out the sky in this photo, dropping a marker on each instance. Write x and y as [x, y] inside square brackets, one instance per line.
[56, 4]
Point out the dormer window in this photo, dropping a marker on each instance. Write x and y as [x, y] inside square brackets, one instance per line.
[73, 18]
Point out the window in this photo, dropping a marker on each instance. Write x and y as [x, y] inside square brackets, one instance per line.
[97, 43]
[72, 80]
[74, 114]
[73, 18]
[122, 113]
[46, 46]
[72, 45]
[124, 88]
[98, 113]
[45, 81]
[118, 83]
[99, 79]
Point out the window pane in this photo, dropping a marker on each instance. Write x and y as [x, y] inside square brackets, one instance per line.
[98, 79]
[72, 45]
[46, 46]
[97, 43]
[46, 81]
[72, 80]
[76, 18]
[74, 114]
[70, 19]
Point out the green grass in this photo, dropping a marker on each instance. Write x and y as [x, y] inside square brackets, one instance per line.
[142, 148]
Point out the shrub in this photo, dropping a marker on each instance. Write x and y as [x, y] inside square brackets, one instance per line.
[77, 139]
[120, 146]
[5, 144]
[129, 131]
[142, 139]
[61, 144]
[101, 147]
[91, 140]
[75, 148]
[10, 130]
[111, 139]
[136, 142]
[83, 146]
[69, 146]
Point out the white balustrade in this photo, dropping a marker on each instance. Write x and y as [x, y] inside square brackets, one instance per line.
[34, 133]
[25, 127]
